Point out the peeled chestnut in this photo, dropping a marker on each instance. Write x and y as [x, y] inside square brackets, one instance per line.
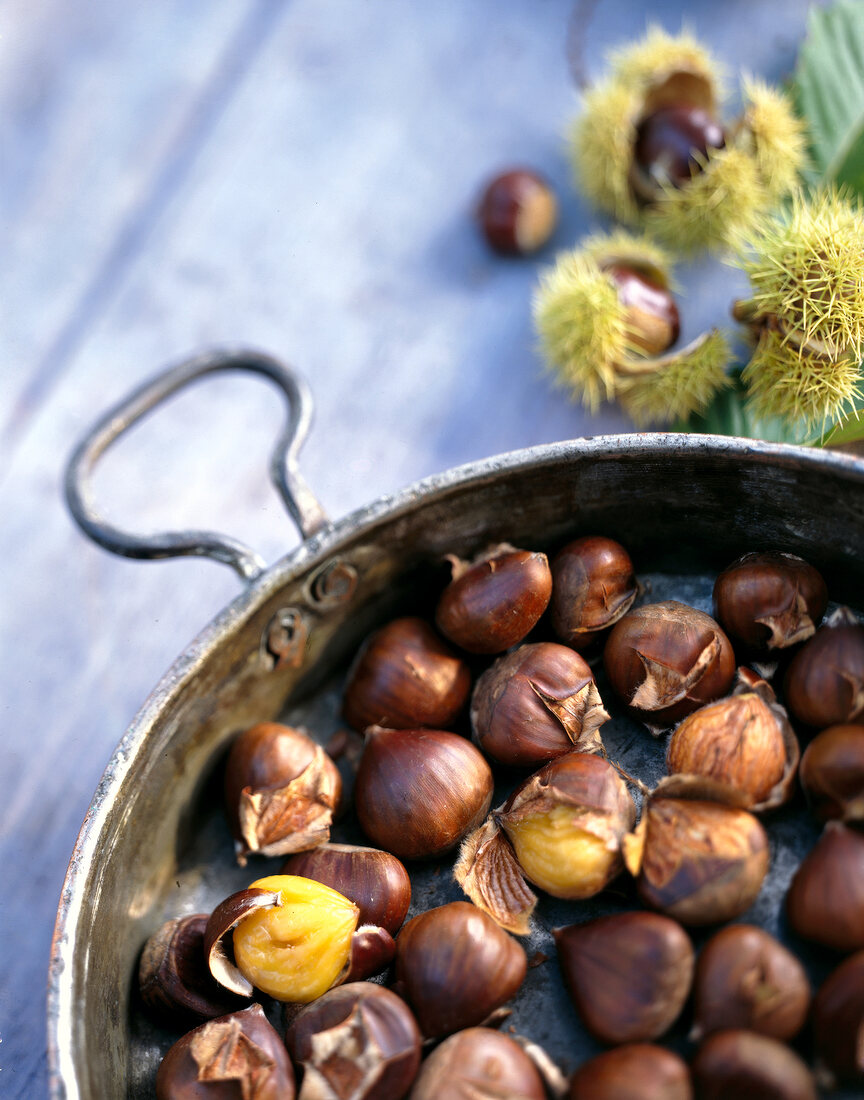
[280, 789]
[492, 602]
[770, 600]
[356, 1042]
[456, 966]
[824, 684]
[480, 1064]
[593, 586]
[750, 1067]
[375, 881]
[838, 1022]
[536, 703]
[673, 143]
[699, 862]
[832, 773]
[638, 1071]
[747, 979]
[628, 974]
[825, 902]
[237, 1055]
[518, 212]
[562, 829]
[744, 740]
[665, 660]
[404, 676]
[418, 792]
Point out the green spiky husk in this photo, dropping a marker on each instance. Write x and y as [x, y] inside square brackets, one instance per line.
[634, 250]
[775, 135]
[806, 267]
[601, 149]
[787, 381]
[658, 55]
[679, 384]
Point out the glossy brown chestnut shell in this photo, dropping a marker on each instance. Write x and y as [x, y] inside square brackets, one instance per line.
[747, 979]
[673, 143]
[456, 966]
[825, 902]
[770, 600]
[593, 586]
[241, 1054]
[832, 773]
[838, 1022]
[481, 1064]
[824, 684]
[750, 1066]
[536, 703]
[651, 316]
[637, 1071]
[493, 602]
[517, 212]
[418, 792]
[628, 974]
[665, 660]
[356, 1042]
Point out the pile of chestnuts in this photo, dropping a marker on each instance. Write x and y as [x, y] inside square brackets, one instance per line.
[479, 751]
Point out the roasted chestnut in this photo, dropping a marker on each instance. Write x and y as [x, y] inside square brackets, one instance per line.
[456, 966]
[237, 1055]
[536, 703]
[628, 974]
[838, 1022]
[746, 979]
[750, 1067]
[593, 586]
[832, 773]
[492, 602]
[418, 792]
[638, 1071]
[825, 902]
[480, 1064]
[280, 789]
[665, 660]
[356, 1042]
[404, 676]
[770, 600]
[824, 683]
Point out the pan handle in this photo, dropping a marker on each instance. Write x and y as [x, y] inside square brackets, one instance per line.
[299, 500]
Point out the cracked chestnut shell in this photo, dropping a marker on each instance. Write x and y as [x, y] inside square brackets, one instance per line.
[357, 1042]
[750, 1067]
[825, 902]
[824, 683]
[637, 1071]
[536, 703]
[832, 773]
[456, 966]
[481, 1064]
[593, 586]
[403, 677]
[665, 660]
[491, 603]
[770, 600]
[838, 1022]
[628, 974]
[238, 1055]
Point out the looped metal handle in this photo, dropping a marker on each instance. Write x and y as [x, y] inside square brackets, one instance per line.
[299, 500]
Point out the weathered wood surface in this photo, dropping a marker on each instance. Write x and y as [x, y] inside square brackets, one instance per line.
[297, 176]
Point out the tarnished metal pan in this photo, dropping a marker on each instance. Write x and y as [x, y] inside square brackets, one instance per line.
[155, 843]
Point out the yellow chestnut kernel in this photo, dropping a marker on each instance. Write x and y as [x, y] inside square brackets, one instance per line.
[296, 951]
[559, 856]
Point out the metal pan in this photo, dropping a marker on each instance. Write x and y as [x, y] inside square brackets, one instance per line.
[684, 505]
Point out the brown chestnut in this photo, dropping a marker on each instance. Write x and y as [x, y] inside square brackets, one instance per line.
[651, 316]
[375, 881]
[838, 1022]
[745, 978]
[628, 974]
[832, 773]
[418, 792]
[536, 703]
[356, 1042]
[456, 966]
[280, 789]
[673, 143]
[404, 676]
[593, 586]
[825, 902]
[638, 1071]
[562, 829]
[517, 212]
[237, 1055]
[750, 1067]
[492, 602]
[770, 600]
[824, 684]
[480, 1064]
[173, 976]
[665, 660]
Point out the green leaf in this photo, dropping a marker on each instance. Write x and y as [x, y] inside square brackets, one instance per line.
[850, 430]
[829, 84]
[728, 415]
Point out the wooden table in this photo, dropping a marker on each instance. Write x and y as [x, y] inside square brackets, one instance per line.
[294, 176]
